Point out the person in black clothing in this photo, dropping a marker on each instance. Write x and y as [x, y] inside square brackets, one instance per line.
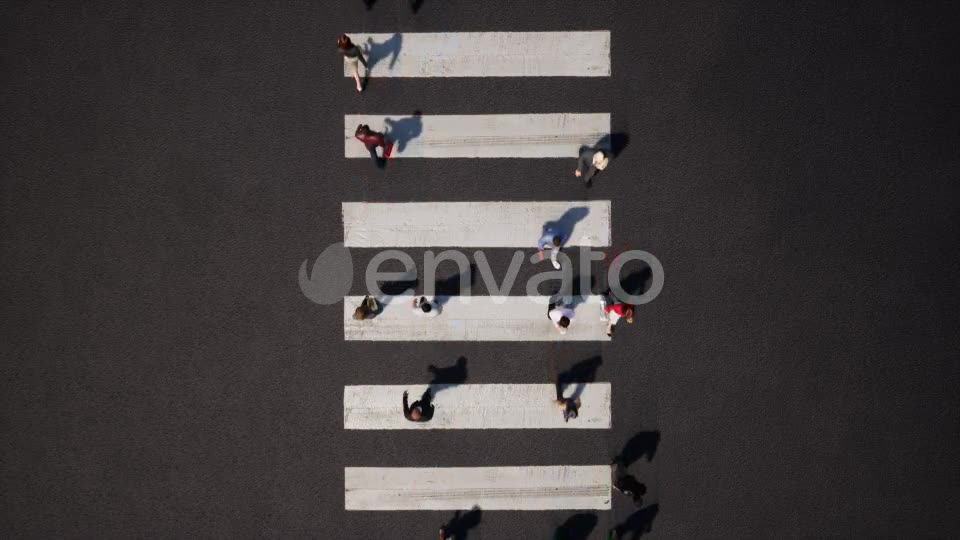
[625, 483]
[421, 410]
[590, 162]
[570, 407]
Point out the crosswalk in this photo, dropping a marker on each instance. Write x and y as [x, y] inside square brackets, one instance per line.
[475, 318]
[486, 54]
[478, 406]
[565, 487]
[558, 135]
[491, 224]
[497, 224]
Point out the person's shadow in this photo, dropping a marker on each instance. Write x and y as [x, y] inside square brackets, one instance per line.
[397, 288]
[614, 143]
[637, 523]
[563, 227]
[575, 292]
[403, 130]
[377, 52]
[637, 281]
[628, 484]
[414, 5]
[576, 527]
[581, 373]
[643, 443]
[453, 285]
[460, 525]
[446, 377]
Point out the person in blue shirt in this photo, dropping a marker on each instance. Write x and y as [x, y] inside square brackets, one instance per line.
[552, 241]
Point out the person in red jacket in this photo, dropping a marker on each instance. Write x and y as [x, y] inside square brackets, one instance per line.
[614, 311]
[372, 139]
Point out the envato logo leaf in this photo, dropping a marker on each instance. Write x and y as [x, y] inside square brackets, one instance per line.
[331, 277]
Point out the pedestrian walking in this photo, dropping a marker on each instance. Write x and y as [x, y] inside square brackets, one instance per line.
[425, 308]
[627, 484]
[421, 410]
[551, 240]
[590, 162]
[570, 407]
[613, 311]
[372, 140]
[560, 315]
[367, 309]
[354, 57]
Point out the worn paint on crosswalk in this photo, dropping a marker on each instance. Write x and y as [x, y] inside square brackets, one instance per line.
[583, 487]
[477, 406]
[474, 224]
[475, 318]
[485, 54]
[554, 135]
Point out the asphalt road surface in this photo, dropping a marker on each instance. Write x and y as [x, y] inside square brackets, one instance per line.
[168, 166]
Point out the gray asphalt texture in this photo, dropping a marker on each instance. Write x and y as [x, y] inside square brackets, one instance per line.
[168, 166]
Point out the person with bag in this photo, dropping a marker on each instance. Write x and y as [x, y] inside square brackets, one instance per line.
[591, 161]
[372, 140]
[615, 310]
[367, 309]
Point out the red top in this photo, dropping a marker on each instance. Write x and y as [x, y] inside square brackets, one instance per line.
[372, 138]
[619, 309]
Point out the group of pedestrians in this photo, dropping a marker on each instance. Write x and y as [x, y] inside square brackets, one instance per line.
[422, 409]
[590, 160]
[560, 312]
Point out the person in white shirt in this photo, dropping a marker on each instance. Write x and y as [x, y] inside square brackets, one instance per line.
[425, 308]
[552, 241]
[560, 315]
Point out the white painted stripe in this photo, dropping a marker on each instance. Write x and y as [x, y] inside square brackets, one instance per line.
[585, 487]
[485, 54]
[555, 135]
[474, 318]
[477, 406]
[474, 224]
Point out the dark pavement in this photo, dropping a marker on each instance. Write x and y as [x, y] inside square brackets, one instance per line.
[167, 167]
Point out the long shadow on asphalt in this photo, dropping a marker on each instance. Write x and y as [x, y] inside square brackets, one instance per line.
[581, 373]
[460, 525]
[446, 377]
[454, 285]
[576, 527]
[642, 444]
[637, 523]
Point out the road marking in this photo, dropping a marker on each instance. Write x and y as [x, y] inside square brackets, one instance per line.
[477, 406]
[474, 318]
[485, 54]
[474, 224]
[585, 487]
[555, 135]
